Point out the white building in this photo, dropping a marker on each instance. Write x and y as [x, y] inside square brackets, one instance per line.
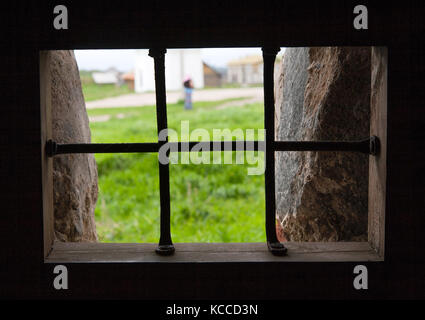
[247, 70]
[110, 76]
[179, 63]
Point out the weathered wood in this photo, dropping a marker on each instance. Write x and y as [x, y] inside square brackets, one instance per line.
[47, 163]
[210, 252]
[378, 163]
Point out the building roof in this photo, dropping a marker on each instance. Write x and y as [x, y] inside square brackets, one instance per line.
[128, 76]
[253, 59]
[217, 70]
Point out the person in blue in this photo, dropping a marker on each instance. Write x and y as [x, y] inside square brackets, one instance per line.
[188, 89]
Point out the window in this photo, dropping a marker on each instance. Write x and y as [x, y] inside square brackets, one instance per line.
[166, 247]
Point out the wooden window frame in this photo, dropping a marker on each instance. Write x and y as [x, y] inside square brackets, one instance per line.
[373, 250]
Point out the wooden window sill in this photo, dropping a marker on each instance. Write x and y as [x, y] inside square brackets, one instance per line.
[83, 252]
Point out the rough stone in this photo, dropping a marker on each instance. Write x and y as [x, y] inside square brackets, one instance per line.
[75, 175]
[323, 94]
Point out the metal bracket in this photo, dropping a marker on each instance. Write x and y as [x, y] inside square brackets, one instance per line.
[165, 249]
[51, 148]
[374, 145]
[157, 52]
[277, 248]
[270, 51]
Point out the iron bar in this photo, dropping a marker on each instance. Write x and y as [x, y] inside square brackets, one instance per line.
[165, 246]
[367, 146]
[269, 57]
[54, 148]
[57, 149]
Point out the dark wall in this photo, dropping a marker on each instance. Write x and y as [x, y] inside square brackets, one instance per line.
[27, 28]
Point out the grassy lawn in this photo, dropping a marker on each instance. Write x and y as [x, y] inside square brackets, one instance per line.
[94, 91]
[209, 202]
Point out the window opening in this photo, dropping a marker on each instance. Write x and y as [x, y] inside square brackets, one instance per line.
[165, 246]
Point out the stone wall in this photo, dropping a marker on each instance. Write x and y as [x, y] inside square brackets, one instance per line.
[75, 175]
[322, 94]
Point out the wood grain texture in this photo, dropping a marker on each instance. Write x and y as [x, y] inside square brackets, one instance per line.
[378, 163]
[210, 252]
[47, 163]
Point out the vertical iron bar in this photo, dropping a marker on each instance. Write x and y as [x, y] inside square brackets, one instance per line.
[165, 246]
[269, 56]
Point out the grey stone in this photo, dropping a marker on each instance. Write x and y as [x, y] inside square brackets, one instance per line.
[75, 175]
[322, 94]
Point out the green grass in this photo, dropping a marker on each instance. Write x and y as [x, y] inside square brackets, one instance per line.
[93, 91]
[209, 203]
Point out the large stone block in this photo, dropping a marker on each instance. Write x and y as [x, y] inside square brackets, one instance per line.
[323, 94]
[75, 175]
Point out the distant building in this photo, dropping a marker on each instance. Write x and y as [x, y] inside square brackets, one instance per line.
[110, 76]
[213, 77]
[247, 70]
[179, 63]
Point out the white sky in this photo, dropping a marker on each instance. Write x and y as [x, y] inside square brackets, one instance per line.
[124, 60]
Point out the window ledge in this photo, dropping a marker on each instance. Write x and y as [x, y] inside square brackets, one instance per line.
[84, 252]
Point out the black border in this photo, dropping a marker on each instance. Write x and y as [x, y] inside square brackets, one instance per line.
[27, 29]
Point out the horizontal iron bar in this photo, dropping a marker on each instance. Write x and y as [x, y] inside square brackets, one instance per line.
[54, 148]
[368, 146]
[105, 148]
[216, 146]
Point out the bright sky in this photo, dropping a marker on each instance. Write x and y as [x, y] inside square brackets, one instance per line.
[123, 60]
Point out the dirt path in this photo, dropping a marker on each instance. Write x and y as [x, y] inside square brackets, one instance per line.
[148, 99]
[230, 104]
